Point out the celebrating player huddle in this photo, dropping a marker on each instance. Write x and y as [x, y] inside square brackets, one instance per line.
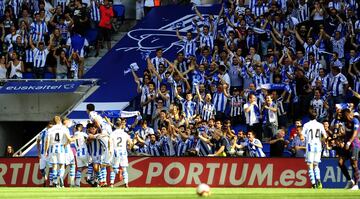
[97, 150]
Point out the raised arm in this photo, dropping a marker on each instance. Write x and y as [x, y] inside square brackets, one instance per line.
[298, 37]
[178, 35]
[31, 44]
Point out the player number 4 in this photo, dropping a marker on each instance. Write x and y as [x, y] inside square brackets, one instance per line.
[57, 137]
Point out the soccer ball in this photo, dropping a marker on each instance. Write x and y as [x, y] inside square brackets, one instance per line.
[203, 190]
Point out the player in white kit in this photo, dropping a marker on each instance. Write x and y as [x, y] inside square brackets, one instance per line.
[120, 140]
[58, 136]
[43, 161]
[69, 155]
[104, 138]
[82, 154]
[314, 132]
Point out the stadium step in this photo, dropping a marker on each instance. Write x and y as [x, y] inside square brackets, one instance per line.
[90, 61]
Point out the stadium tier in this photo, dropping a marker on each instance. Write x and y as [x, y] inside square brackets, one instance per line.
[258, 95]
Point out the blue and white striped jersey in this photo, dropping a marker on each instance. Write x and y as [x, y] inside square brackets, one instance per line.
[188, 107]
[318, 106]
[42, 138]
[167, 146]
[95, 148]
[258, 10]
[255, 151]
[94, 10]
[29, 56]
[189, 47]
[80, 144]
[337, 85]
[207, 40]
[38, 30]
[40, 57]
[220, 101]
[206, 110]
[154, 149]
[313, 48]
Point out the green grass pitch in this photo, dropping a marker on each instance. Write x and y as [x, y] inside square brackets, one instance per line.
[159, 193]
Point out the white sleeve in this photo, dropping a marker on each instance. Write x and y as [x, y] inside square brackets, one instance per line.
[68, 42]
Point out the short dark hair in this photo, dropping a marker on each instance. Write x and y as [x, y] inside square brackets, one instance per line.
[312, 114]
[78, 127]
[90, 107]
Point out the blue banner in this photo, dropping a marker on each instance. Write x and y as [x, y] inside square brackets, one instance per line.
[331, 174]
[157, 30]
[20, 87]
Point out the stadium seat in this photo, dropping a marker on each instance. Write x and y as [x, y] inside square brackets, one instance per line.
[119, 12]
[28, 75]
[266, 149]
[49, 76]
[91, 35]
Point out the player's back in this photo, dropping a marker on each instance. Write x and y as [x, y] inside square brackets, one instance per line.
[120, 139]
[313, 130]
[57, 135]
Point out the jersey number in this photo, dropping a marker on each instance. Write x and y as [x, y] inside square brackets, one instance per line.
[119, 142]
[57, 137]
[317, 133]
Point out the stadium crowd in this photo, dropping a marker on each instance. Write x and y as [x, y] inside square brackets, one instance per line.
[240, 81]
[47, 39]
[255, 68]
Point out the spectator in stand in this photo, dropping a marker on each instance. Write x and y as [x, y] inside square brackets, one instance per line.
[80, 17]
[252, 115]
[254, 146]
[149, 4]
[40, 54]
[16, 67]
[3, 68]
[278, 144]
[74, 62]
[38, 29]
[62, 65]
[219, 143]
[9, 151]
[298, 144]
[77, 43]
[105, 25]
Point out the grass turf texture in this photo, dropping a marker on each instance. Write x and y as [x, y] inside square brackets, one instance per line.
[159, 193]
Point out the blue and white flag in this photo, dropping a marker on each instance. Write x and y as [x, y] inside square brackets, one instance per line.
[259, 30]
[133, 67]
[178, 25]
[273, 87]
[121, 114]
[342, 106]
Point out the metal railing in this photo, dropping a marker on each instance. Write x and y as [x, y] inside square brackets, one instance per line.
[29, 145]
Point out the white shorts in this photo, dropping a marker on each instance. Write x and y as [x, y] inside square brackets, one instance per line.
[82, 161]
[69, 159]
[43, 161]
[120, 159]
[313, 154]
[57, 158]
[106, 157]
[96, 159]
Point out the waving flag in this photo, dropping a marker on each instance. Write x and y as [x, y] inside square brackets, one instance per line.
[121, 114]
[133, 67]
